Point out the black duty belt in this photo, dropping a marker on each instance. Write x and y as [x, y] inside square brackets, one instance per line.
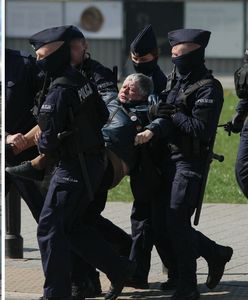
[196, 149]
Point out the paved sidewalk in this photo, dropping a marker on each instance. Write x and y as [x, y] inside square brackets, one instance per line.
[225, 223]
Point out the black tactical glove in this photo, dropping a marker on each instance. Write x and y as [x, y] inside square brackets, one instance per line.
[236, 124]
[162, 110]
[241, 79]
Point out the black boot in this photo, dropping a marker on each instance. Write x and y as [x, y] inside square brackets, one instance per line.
[118, 285]
[216, 266]
[27, 171]
[81, 290]
[87, 288]
[137, 283]
[169, 285]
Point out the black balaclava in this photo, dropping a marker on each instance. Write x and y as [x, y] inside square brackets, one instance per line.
[186, 63]
[146, 68]
[56, 61]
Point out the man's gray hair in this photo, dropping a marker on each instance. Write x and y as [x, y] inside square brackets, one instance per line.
[145, 84]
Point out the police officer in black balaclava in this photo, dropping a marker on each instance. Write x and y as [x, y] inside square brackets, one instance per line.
[144, 56]
[146, 205]
[71, 103]
[102, 78]
[194, 114]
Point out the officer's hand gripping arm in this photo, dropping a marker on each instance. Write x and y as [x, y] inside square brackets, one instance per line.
[162, 110]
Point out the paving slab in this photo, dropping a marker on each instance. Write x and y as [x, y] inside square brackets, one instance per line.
[227, 224]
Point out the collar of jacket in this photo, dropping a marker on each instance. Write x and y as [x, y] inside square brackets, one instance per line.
[195, 74]
[132, 103]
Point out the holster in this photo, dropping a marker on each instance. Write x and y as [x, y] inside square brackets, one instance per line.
[189, 147]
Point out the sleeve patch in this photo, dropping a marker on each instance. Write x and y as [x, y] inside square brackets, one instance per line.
[105, 85]
[47, 108]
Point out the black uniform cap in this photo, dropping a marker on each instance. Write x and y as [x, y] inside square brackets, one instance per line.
[145, 42]
[55, 34]
[197, 36]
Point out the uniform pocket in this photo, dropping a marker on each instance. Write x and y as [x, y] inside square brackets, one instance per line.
[186, 189]
[58, 194]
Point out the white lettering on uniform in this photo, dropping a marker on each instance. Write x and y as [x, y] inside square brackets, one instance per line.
[205, 100]
[85, 91]
[104, 85]
[69, 179]
[46, 106]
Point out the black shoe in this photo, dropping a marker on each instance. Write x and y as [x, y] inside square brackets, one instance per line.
[27, 171]
[191, 295]
[137, 284]
[81, 290]
[216, 267]
[117, 286]
[88, 288]
[169, 285]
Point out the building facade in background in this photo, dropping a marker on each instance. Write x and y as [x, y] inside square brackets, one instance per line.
[110, 26]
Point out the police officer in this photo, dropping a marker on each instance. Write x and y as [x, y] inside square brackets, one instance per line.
[128, 115]
[22, 84]
[237, 125]
[195, 121]
[106, 85]
[144, 55]
[101, 76]
[146, 209]
[71, 104]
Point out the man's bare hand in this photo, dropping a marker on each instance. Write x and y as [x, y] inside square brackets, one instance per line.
[18, 140]
[143, 137]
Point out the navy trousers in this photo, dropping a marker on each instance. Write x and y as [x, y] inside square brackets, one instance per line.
[149, 227]
[182, 181]
[117, 237]
[61, 229]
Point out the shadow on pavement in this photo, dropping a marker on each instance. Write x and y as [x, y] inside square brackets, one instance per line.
[30, 249]
[227, 290]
